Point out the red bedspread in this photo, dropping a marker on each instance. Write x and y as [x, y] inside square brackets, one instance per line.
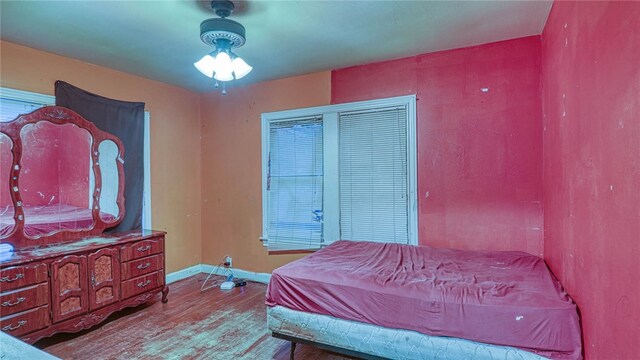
[505, 298]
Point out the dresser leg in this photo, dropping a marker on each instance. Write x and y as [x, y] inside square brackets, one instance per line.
[165, 292]
[293, 350]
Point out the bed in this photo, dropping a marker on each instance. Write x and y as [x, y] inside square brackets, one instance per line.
[377, 300]
[40, 220]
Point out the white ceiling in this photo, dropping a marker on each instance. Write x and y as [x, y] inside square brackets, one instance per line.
[160, 39]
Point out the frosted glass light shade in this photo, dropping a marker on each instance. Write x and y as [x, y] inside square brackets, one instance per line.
[223, 63]
[223, 76]
[240, 67]
[206, 65]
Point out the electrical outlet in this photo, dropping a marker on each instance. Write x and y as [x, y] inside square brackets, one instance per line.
[228, 261]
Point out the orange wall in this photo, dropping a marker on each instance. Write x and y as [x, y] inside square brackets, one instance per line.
[175, 135]
[231, 166]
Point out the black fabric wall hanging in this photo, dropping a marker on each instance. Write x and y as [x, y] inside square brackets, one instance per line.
[125, 120]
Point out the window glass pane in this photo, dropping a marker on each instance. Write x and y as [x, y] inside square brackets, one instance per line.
[295, 185]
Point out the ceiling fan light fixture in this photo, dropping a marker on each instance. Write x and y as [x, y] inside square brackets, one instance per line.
[223, 63]
[206, 65]
[223, 34]
[223, 76]
[240, 67]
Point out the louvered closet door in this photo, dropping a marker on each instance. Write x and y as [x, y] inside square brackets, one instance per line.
[373, 176]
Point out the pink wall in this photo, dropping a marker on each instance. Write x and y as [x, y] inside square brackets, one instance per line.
[591, 97]
[479, 153]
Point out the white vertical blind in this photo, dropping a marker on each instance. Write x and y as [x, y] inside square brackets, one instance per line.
[373, 175]
[295, 184]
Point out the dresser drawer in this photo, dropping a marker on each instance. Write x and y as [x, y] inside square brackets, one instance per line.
[26, 321]
[142, 284]
[142, 266]
[141, 249]
[12, 302]
[21, 276]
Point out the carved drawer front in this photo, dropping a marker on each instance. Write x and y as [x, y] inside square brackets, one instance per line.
[141, 266]
[20, 276]
[26, 321]
[142, 283]
[142, 249]
[15, 301]
[69, 287]
[104, 287]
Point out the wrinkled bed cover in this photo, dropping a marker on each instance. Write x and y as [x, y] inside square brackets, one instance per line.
[504, 298]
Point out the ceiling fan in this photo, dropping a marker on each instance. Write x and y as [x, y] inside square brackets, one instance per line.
[224, 34]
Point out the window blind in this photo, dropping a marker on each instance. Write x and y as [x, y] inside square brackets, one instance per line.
[11, 108]
[373, 176]
[295, 185]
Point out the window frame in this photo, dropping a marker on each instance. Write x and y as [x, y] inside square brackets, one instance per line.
[50, 100]
[330, 118]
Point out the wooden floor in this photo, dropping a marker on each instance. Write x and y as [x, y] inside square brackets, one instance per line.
[213, 324]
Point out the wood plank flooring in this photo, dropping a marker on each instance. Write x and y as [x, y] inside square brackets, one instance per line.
[213, 324]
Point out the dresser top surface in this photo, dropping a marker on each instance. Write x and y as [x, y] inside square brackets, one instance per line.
[79, 245]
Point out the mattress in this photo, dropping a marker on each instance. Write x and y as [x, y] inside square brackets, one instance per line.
[41, 220]
[384, 342]
[502, 298]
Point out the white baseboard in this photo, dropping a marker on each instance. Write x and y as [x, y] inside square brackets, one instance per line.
[239, 273]
[205, 268]
[184, 273]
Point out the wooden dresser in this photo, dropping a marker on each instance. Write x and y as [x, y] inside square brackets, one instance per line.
[73, 286]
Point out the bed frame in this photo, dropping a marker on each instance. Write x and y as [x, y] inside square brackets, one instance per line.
[297, 340]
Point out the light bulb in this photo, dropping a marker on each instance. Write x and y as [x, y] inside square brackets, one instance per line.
[240, 67]
[206, 65]
[223, 63]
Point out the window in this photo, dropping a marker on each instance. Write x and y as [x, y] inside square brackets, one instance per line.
[294, 184]
[340, 172]
[16, 102]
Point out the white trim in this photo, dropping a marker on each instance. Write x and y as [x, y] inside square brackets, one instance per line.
[405, 100]
[265, 168]
[331, 196]
[183, 274]
[146, 192]
[21, 95]
[412, 144]
[205, 268]
[327, 112]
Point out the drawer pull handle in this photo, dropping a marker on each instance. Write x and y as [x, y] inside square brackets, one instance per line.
[144, 284]
[143, 248]
[143, 266]
[11, 328]
[7, 279]
[18, 301]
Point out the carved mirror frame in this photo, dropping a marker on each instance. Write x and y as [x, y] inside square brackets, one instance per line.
[59, 116]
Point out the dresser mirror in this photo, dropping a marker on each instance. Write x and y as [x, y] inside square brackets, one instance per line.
[55, 177]
[67, 177]
[7, 211]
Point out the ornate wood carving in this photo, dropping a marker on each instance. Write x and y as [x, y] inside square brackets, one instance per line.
[104, 269]
[66, 270]
[58, 116]
[87, 321]
[69, 287]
